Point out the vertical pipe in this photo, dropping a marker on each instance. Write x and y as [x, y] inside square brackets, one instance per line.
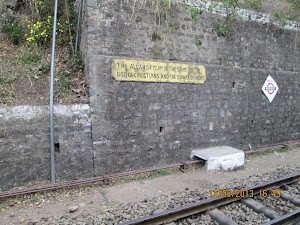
[51, 97]
[78, 26]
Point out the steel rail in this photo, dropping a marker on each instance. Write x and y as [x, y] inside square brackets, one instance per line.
[208, 204]
[289, 218]
[273, 147]
[104, 178]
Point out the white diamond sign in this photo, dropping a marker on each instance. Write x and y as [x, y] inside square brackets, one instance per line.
[270, 88]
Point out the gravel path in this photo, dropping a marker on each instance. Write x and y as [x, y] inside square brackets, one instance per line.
[238, 212]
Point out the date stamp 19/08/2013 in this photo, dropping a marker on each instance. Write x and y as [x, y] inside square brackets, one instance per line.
[236, 193]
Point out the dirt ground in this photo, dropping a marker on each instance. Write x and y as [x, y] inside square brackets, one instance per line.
[89, 199]
[25, 76]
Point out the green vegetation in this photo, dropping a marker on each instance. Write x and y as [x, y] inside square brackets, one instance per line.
[37, 26]
[252, 4]
[199, 41]
[239, 168]
[30, 57]
[280, 16]
[222, 29]
[280, 9]
[157, 52]
[230, 6]
[257, 154]
[33, 199]
[26, 54]
[165, 172]
[16, 31]
[113, 204]
[9, 79]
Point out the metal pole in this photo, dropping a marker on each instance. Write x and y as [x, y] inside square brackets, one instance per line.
[78, 27]
[51, 97]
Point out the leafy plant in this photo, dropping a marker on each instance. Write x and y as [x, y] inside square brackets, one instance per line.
[195, 10]
[44, 68]
[199, 41]
[16, 31]
[33, 199]
[222, 29]
[2, 80]
[230, 7]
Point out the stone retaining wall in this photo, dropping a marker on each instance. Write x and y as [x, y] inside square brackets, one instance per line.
[140, 124]
[25, 144]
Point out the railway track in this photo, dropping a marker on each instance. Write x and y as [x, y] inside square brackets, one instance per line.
[252, 198]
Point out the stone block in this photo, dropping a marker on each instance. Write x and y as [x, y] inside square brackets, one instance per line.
[222, 157]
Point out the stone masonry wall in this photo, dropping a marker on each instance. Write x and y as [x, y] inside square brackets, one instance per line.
[138, 124]
[25, 144]
[134, 125]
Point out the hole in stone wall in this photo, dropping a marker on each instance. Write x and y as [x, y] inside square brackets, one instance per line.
[252, 123]
[233, 84]
[161, 130]
[56, 147]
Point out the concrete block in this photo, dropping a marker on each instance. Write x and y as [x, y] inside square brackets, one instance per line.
[222, 157]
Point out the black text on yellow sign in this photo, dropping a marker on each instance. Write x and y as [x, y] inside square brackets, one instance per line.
[148, 71]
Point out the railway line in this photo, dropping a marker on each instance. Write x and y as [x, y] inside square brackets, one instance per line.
[110, 211]
[253, 198]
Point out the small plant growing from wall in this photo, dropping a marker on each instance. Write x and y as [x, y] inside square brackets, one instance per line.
[157, 52]
[199, 42]
[230, 7]
[222, 29]
[155, 36]
[280, 16]
[194, 9]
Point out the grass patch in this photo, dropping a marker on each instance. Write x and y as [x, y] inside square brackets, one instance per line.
[103, 191]
[289, 9]
[30, 57]
[239, 168]
[253, 4]
[165, 172]
[9, 79]
[112, 204]
[268, 152]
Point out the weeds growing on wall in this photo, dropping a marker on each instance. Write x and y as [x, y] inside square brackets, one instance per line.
[282, 10]
[230, 6]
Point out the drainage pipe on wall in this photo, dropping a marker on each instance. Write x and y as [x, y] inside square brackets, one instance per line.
[51, 97]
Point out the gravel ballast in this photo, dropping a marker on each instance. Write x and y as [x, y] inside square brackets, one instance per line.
[237, 211]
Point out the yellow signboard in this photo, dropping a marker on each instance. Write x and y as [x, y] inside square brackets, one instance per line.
[148, 71]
